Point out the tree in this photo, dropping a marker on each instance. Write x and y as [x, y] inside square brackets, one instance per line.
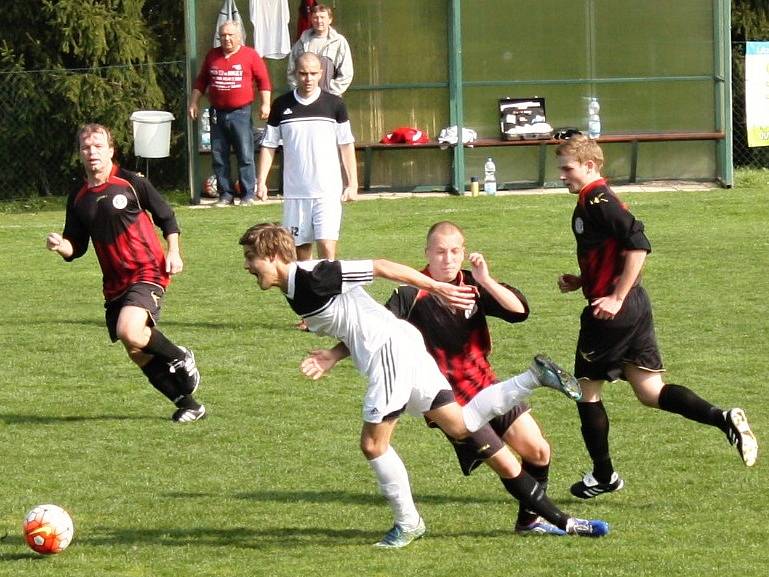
[94, 61]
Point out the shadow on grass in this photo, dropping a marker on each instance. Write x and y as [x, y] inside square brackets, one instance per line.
[16, 541]
[250, 537]
[15, 419]
[344, 497]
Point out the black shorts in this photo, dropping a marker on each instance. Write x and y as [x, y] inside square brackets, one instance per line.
[472, 451]
[144, 295]
[605, 345]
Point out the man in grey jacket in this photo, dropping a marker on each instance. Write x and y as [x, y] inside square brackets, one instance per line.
[330, 46]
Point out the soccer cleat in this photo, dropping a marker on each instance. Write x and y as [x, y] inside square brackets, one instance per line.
[739, 434]
[589, 487]
[587, 527]
[189, 415]
[551, 375]
[398, 537]
[187, 371]
[539, 527]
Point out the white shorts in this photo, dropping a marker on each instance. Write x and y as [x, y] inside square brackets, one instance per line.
[311, 219]
[402, 374]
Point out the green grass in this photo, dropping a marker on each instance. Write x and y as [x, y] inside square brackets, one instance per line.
[273, 483]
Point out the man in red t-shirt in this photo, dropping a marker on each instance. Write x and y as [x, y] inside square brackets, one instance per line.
[230, 72]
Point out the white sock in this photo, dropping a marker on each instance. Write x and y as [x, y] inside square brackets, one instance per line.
[498, 399]
[393, 482]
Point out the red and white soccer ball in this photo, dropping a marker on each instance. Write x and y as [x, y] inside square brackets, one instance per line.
[209, 187]
[48, 529]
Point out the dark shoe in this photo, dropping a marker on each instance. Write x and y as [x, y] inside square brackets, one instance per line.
[588, 487]
[189, 415]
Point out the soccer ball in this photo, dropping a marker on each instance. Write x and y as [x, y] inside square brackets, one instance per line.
[48, 529]
[209, 187]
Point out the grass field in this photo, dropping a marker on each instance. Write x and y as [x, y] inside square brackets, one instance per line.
[273, 483]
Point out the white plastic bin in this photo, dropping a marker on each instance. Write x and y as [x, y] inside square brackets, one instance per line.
[152, 133]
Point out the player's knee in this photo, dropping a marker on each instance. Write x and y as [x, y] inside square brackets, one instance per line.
[132, 340]
[648, 399]
[373, 448]
[540, 453]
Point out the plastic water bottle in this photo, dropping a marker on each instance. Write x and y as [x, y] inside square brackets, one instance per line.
[205, 130]
[490, 177]
[593, 119]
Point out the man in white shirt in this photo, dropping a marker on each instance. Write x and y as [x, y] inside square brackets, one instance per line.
[319, 168]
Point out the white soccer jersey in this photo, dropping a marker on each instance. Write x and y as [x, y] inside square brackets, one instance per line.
[329, 296]
[310, 131]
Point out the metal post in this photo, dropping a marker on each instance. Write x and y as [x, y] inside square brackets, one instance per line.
[193, 156]
[455, 93]
[722, 76]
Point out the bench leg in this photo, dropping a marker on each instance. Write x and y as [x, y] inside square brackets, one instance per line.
[367, 159]
[633, 161]
[542, 163]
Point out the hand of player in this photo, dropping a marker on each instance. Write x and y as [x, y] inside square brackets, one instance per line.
[193, 111]
[350, 194]
[58, 244]
[606, 308]
[569, 282]
[480, 268]
[460, 297]
[174, 262]
[320, 362]
[53, 241]
[261, 191]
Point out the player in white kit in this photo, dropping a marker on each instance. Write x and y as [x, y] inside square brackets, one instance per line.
[402, 376]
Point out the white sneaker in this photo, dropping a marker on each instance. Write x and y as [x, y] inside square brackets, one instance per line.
[398, 537]
[551, 375]
[739, 434]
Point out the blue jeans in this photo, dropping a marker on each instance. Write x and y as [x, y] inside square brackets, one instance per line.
[233, 130]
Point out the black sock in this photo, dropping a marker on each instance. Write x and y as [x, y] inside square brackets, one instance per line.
[540, 474]
[187, 402]
[160, 346]
[532, 496]
[157, 373]
[595, 432]
[683, 401]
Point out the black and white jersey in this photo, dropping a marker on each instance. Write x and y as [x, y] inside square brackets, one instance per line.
[310, 131]
[329, 296]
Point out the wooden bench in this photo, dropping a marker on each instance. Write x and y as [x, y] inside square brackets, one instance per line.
[368, 149]
[634, 139]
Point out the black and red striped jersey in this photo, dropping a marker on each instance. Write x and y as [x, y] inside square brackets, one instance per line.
[459, 341]
[118, 217]
[604, 229]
